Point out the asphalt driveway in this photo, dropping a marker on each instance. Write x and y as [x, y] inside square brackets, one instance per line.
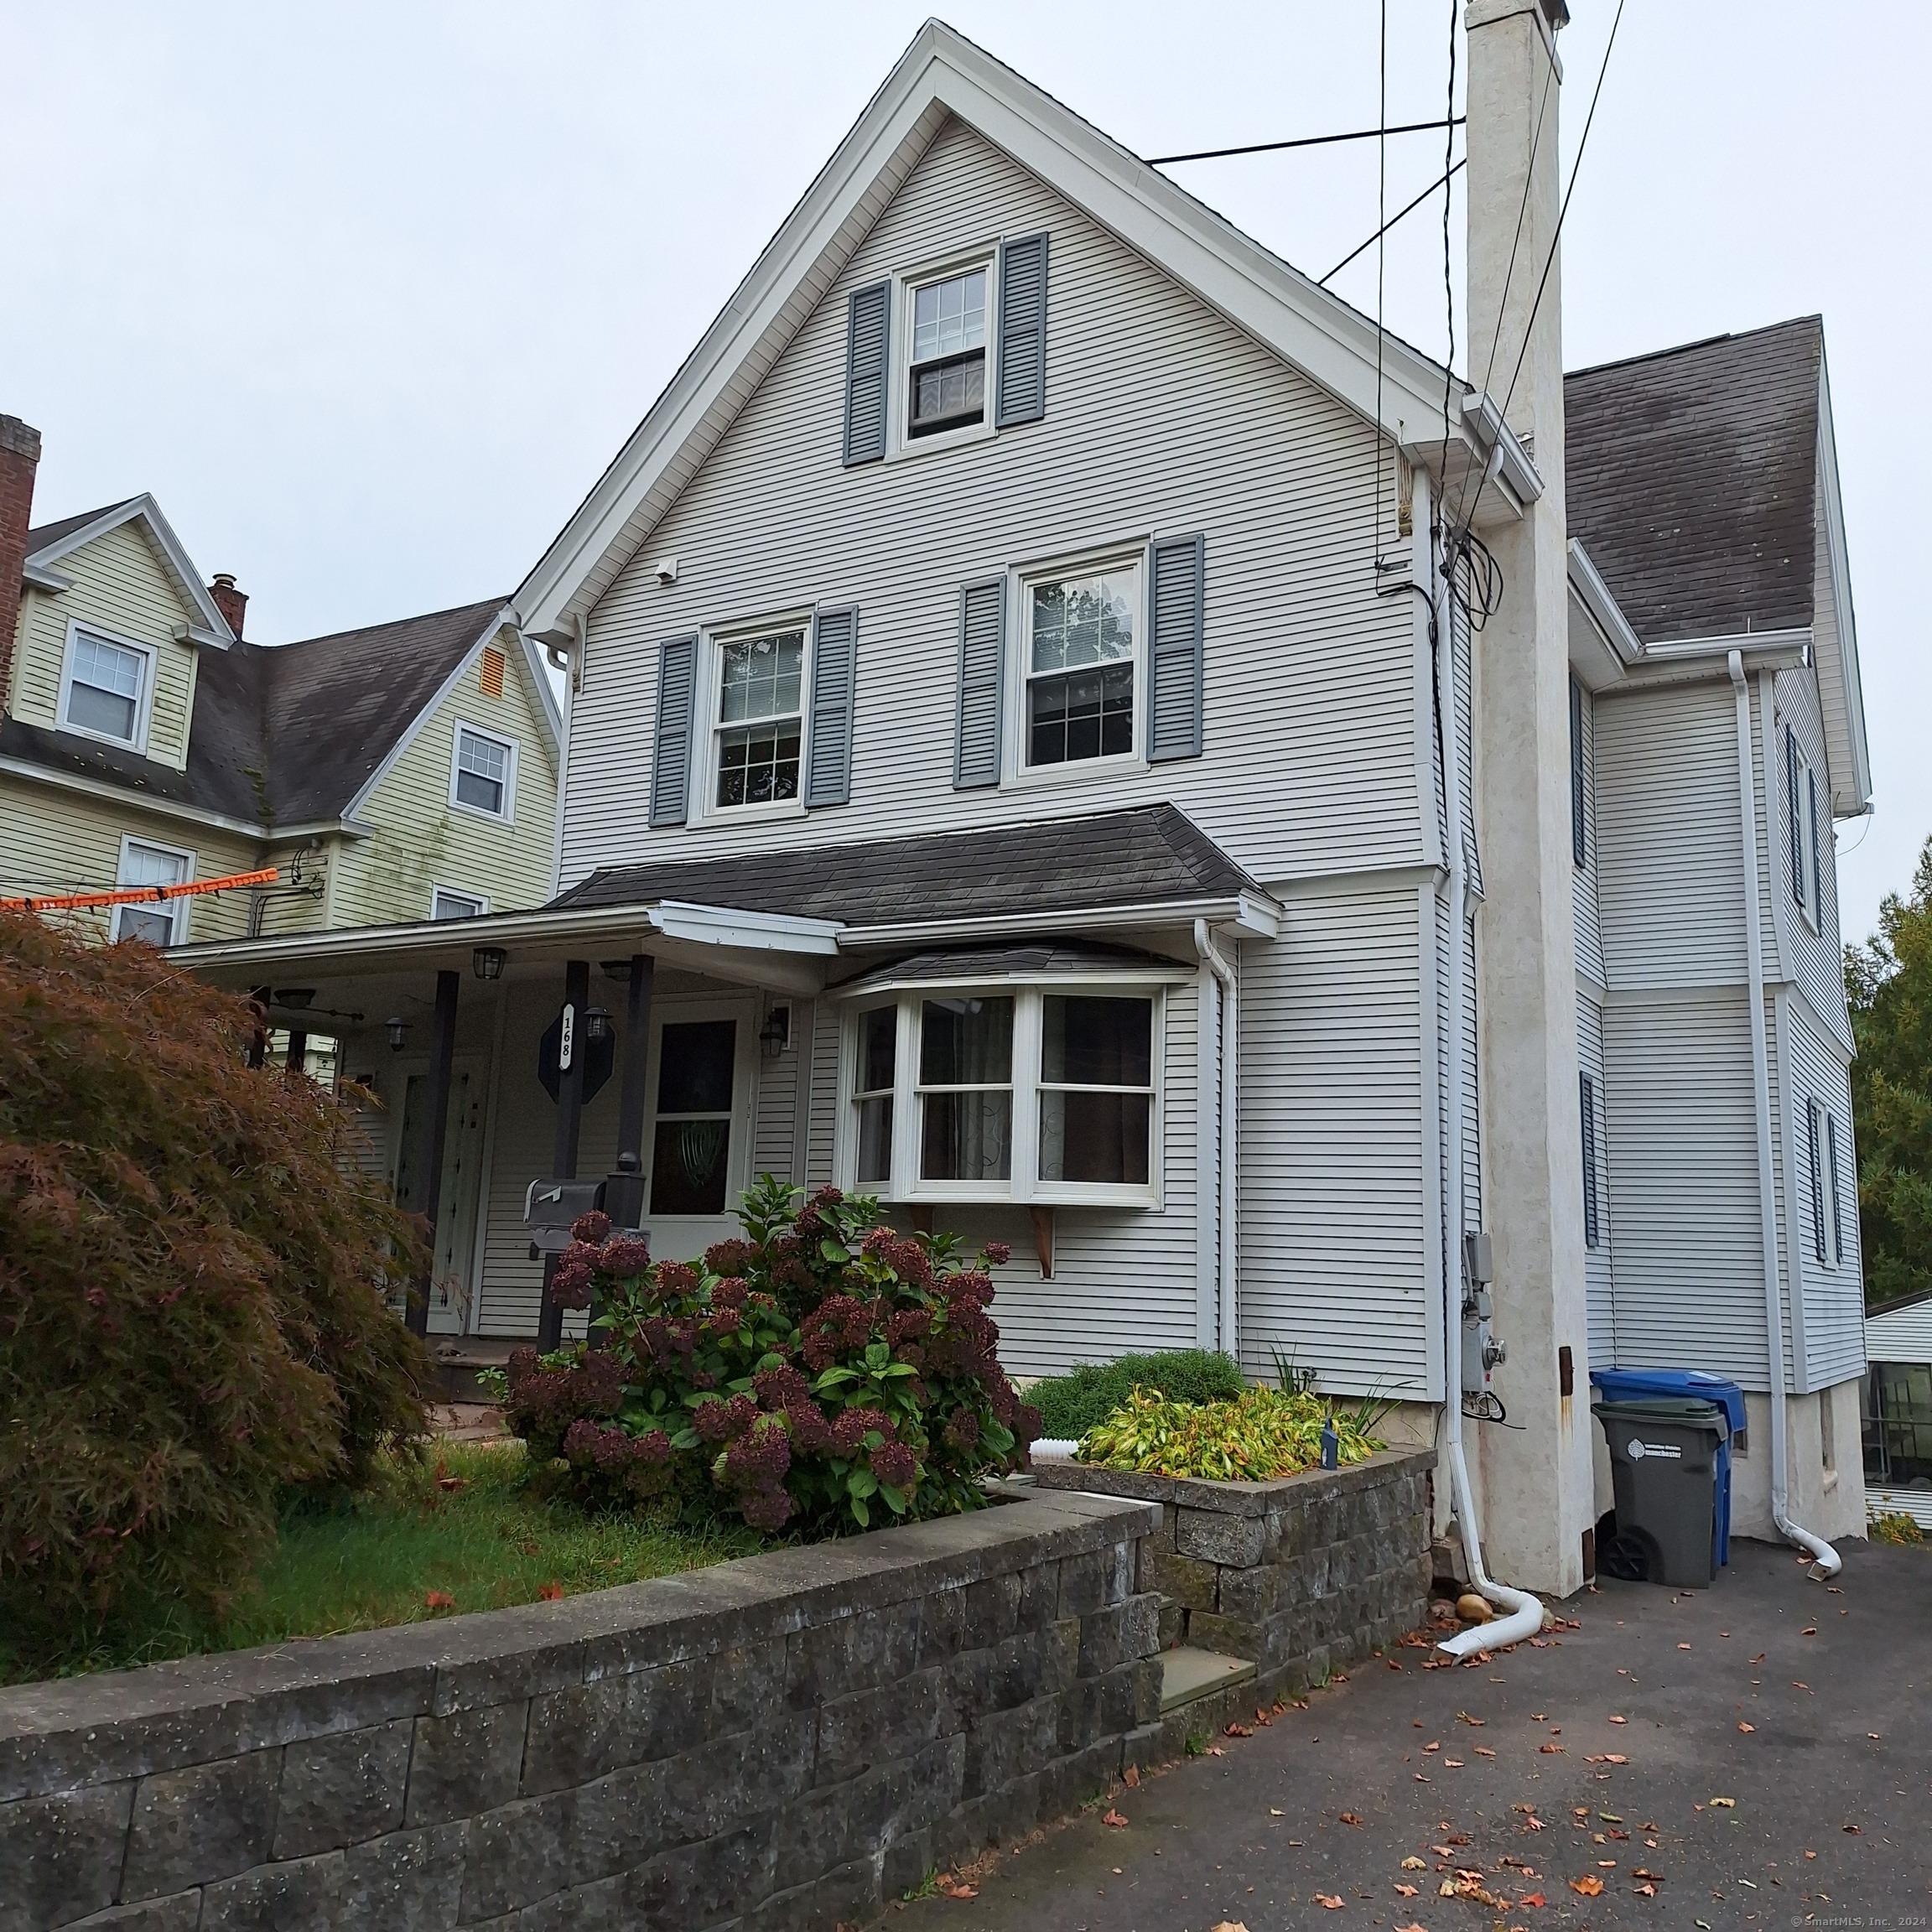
[1759, 1752]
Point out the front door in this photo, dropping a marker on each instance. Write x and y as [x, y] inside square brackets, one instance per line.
[450, 1278]
[698, 1082]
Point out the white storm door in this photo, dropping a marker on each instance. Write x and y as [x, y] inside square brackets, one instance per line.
[699, 1086]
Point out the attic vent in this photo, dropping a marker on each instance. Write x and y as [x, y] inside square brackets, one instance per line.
[492, 674]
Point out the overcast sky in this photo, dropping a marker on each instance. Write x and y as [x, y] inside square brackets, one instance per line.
[368, 295]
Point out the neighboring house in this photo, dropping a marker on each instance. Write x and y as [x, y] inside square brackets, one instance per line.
[1024, 758]
[403, 770]
[1897, 1410]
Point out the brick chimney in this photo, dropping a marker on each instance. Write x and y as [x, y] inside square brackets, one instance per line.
[19, 457]
[232, 603]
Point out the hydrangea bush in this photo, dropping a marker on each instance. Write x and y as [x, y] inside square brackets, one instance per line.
[822, 1375]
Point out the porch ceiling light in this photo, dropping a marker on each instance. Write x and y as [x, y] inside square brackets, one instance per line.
[298, 997]
[617, 969]
[487, 961]
[596, 1023]
[398, 1034]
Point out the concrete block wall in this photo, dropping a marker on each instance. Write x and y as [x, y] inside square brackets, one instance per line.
[781, 1742]
[1303, 1575]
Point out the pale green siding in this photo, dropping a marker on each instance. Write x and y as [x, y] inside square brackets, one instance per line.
[421, 841]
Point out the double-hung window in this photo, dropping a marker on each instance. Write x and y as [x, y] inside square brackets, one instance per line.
[1080, 635]
[758, 724]
[946, 375]
[162, 922]
[106, 689]
[1801, 803]
[483, 774]
[1043, 1093]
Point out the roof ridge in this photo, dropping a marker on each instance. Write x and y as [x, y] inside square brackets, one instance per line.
[1701, 342]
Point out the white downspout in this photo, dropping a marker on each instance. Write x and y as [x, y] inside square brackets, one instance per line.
[1524, 1613]
[1828, 1563]
[1227, 1042]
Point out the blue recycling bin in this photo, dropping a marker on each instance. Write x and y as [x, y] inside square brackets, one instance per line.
[1629, 1384]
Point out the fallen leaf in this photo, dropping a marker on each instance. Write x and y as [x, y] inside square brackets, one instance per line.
[1646, 1891]
[1407, 1891]
[1683, 1646]
[1131, 1778]
[1237, 1731]
[1743, 1726]
[1411, 1929]
[1619, 1720]
[1230, 1926]
[1436, 1746]
[1276, 1811]
[963, 1893]
[1809, 1630]
[1113, 1818]
[1535, 1824]
[438, 1600]
[1441, 1850]
[1606, 1864]
[1484, 1751]
[1852, 1829]
[1873, 1735]
[1725, 1804]
[451, 1483]
[1655, 1878]
[1212, 1751]
[1447, 1888]
[1349, 1818]
[1759, 1658]
[1463, 1717]
[1453, 1763]
[1549, 1750]
[551, 1593]
[1810, 1854]
[1328, 1901]
[1607, 1758]
[1414, 1864]
[1589, 1885]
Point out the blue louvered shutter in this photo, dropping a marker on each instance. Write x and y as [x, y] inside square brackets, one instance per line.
[1817, 863]
[1794, 815]
[982, 683]
[1022, 378]
[868, 325]
[1587, 1095]
[1175, 650]
[1811, 1151]
[829, 729]
[671, 757]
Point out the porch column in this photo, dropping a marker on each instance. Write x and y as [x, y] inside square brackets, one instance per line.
[570, 1119]
[442, 1058]
[624, 1188]
[258, 1040]
[298, 1060]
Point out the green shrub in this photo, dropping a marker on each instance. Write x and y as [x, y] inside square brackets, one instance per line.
[1262, 1434]
[1070, 1404]
[191, 1291]
[822, 1375]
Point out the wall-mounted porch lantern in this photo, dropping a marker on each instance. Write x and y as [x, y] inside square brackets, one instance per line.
[398, 1034]
[298, 997]
[775, 1034]
[596, 1024]
[487, 961]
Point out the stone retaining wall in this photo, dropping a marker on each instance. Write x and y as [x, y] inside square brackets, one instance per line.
[784, 1742]
[1303, 1575]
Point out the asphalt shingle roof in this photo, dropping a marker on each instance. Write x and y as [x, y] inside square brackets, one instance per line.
[47, 535]
[1148, 854]
[1692, 481]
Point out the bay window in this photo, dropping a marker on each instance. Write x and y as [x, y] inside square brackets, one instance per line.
[1043, 1093]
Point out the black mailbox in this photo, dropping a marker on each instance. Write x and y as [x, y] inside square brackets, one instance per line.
[552, 1208]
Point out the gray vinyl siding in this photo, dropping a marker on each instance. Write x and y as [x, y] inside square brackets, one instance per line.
[1833, 1292]
[1599, 1275]
[1164, 420]
[1333, 1225]
[774, 1116]
[1589, 919]
[1813, 954]
[1682, 1122]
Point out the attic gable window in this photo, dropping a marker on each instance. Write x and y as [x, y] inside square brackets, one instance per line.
[483, 774]
[105, 689]
[947, 386]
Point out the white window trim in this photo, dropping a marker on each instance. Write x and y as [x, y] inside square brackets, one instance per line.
[480, 899]
[1021, 579]
[1024, 1187]
[508, 816]
[712, 641]
[899, 441]
[175, 909]
[144, 704]
[1805, 817]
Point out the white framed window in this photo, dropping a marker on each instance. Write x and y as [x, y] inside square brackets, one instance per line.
[1078, 693]
[106, 687]
[447, 903]
[753, 703]
[944, 347]
[483, 774]
[1046, 1093]
[1801, 809]
[165, 921]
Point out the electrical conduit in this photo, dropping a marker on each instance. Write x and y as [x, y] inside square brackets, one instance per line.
[1523, 1614]
[1827, 1563]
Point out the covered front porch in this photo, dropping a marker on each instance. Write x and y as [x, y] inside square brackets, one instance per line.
[1038, 1059]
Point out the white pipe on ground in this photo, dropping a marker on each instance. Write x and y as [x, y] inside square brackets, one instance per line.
[1524, 1613]
[1827, 1561]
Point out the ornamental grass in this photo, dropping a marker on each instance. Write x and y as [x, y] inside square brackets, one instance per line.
[1259, 1436]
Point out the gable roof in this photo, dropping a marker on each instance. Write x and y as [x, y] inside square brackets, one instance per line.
[52, 541]
[943, 76]
[1692, 481]
[1147, 855]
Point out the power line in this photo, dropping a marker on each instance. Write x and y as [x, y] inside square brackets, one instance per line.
[1306, 141]
[1410, 209]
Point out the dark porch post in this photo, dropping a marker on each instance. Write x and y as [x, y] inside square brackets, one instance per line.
[258, 1040]
[570, 1119]
[298, 1060]
[624, 1189]
[442, 1058]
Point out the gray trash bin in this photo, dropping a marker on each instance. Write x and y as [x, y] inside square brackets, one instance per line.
[1663, 1463]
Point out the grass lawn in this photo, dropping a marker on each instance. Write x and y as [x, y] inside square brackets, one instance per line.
[458, 1531]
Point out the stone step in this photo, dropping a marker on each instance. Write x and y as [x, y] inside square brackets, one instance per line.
[1187, 1673]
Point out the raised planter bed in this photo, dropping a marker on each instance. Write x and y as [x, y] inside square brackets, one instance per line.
[790, 1739]
[1300, 1576]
